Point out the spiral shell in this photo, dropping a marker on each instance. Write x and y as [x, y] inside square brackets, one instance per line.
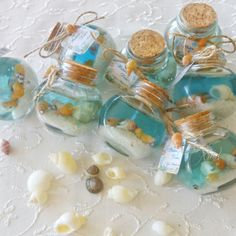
[5, 147]
[121, 194]
[115, 173]
[68, 223]
[109, 232]
[162, 228]
[102, 158]
[64, 161]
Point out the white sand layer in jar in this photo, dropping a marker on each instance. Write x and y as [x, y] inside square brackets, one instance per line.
[125, 141]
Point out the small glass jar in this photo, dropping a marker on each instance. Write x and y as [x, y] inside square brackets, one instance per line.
[85, 46]
[17, 82]
[72, 101]
[196, 22]
[134, 124]
[208, 162]
[206, 87]
[149, 50]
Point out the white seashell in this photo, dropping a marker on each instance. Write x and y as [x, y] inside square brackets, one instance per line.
[115, 173]
[64, 161]
[38, 197]
[223, 92]
[69, 223]
[121, 194]
[39, 181]
[161, 178]
[102, 158]
[162, 228]
[109, 232]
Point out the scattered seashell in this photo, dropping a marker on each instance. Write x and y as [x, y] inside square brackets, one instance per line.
[212, 177]
[112, 121]
[115, 173]
[147, 139]
[5, 147]
[94, 185]
[220, 163]
[109, 232]
[229, 159]
[93, 170]
[162, 228]
[39, 180]
[122, 194]
[68, 223]
[102, 158]
[20, 69]
[131, 66]
[66, 110]
[131, 125]
[64, 161]
[42, 107]
[38, 197]
[18, 91]
[161, 178]
[187, 59]
[177, 139]
[138, 132]
[12, 103]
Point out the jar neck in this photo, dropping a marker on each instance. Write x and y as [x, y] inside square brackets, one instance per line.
[201, 32]
[149, 64]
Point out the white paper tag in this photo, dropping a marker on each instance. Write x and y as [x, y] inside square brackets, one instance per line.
[83, 39]
[171, 158]
[117, 73]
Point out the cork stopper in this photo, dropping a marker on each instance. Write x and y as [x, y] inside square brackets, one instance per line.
[152, 93]
[198, 15]
[146, 44]
[196, 124]
[78, 72]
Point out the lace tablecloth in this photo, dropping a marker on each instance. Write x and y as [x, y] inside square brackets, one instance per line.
[25, 24]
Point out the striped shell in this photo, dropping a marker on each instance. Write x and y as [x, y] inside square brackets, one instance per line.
[5, 147]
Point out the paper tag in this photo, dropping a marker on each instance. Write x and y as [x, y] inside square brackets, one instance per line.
[117, 73]
[83, 39]
[189, 45]
[171, 158]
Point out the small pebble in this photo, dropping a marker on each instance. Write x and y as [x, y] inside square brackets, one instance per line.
[93, 170]
[5, 147]
[94, 185]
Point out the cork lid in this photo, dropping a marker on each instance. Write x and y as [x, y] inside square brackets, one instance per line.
[146, 43]
[198, 15]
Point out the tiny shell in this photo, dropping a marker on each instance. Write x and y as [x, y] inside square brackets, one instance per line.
[131, 66]
[68, 223]
[5, 147]
[93, 170]
[39, 180]
[121, 194]
[187, 59]
[161, 178]
[177, 139]
[162, 228]
[38, 197]
[94, 185]
[102, 158]
[115, 173]
[66, 110]
[109, 232]
[18, 91]
[64, 161]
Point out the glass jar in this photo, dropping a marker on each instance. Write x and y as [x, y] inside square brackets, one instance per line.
[149, 50]
[206, 87]
[72, 101]
[208, 162]
[17, 82]
[188, 31]
[85, 46]
[134, 124]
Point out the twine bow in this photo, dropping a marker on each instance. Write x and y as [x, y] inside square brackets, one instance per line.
[204, 53]
[55, 42]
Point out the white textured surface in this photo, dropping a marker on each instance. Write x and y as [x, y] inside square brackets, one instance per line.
[24, 24]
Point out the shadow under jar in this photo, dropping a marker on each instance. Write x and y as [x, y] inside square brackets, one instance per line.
[72, 101]
[208, 162]
[148, 49]
[134, 124]
[195, 20]
[85, 46]
[17, 83]
[206, 87]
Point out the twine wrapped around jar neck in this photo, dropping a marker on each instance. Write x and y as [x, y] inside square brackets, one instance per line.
[61, 34]
[198, 126]
[69, 70]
